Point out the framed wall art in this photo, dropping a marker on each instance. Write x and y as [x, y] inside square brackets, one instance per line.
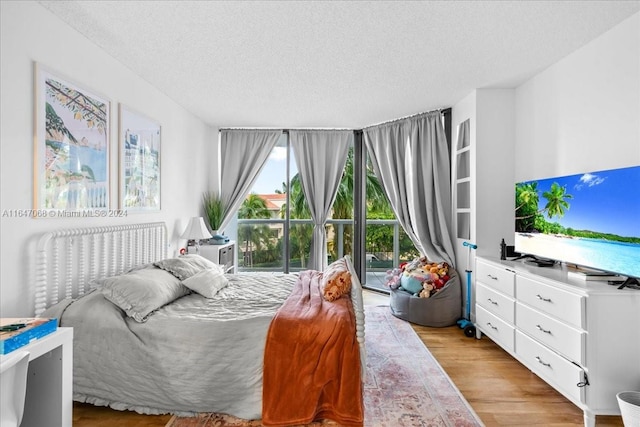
[71, 153]
[139, 162]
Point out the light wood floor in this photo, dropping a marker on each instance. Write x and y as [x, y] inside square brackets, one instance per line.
[498, 388]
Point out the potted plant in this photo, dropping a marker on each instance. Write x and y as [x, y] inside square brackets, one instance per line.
[214, 210]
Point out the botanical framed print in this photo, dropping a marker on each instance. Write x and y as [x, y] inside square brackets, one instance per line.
[71, 153]
[139, 162]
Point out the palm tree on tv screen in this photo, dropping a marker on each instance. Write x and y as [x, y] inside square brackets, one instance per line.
[528, 215]
[556, 203]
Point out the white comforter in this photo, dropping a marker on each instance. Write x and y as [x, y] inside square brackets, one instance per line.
[193, 355]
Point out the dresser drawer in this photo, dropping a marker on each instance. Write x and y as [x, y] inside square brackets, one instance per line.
[552, 333]
[549, 299]
[496, 278]
[496, 303]
[500, 331]
[550, 366]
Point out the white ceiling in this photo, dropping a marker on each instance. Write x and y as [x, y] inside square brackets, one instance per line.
[334, 64]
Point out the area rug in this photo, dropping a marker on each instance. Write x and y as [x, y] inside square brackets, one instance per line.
[405, 385]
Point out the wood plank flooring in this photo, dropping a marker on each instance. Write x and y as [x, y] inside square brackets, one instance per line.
[501, 390]
[498, 388]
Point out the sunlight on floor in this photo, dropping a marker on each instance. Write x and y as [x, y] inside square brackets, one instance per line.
[375, 298]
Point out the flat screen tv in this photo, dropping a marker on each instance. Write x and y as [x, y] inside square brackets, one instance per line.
[589, 220]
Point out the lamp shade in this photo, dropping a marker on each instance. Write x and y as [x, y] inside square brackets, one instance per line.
[196, 229]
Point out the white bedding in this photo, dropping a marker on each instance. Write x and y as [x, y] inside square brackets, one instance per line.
[177, 361]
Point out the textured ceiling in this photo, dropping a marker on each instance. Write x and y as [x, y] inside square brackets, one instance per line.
[334, 64]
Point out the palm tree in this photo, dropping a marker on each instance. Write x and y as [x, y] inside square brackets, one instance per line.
[528, 215]
[299, 234]
[376, 199]
[526, 194]
[556, 203]
[253, 207]
[526, 206]
[343, 203]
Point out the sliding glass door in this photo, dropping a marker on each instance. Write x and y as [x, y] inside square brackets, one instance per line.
[262, 219]
[275, 226]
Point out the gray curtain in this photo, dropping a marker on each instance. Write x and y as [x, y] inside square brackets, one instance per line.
[243, 154]
[411, 158]
[321, 157]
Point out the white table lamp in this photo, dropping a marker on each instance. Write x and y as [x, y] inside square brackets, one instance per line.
[196, 230]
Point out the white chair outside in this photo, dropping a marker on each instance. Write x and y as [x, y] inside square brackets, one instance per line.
[13, 387]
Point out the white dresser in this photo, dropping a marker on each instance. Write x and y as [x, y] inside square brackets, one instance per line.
[581, 337]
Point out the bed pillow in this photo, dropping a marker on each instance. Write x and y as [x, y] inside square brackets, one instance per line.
[207, 282]
[336, 280]
[142, 292]
[186, 266]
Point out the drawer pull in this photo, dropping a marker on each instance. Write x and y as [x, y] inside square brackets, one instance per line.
[492, 301]
[492, 277]
[543, 299]
[548, 365]
[546, 331]
[495, 328]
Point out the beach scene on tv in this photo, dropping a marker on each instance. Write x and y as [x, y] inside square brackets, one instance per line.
[591, 220]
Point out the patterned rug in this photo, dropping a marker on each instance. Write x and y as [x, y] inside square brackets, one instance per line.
[405, 385]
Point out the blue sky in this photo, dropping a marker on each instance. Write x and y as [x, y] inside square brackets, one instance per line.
[274, 172]
[604, 201]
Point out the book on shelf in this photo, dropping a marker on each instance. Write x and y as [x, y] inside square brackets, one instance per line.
[18, 332]
[593, 275]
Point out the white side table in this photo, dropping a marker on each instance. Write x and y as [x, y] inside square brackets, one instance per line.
[49, 400]
[221, 254]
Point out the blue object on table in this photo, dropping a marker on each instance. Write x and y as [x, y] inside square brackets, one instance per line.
[33, 328]
[218, 239]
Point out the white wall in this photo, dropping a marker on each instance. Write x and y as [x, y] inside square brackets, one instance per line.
[583, 113]
[495, 169]
[491, 122]
[30, 33]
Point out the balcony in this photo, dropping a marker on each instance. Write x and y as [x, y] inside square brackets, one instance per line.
[261, 246]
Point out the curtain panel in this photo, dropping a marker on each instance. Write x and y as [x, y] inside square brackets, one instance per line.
[243, 154]
[410, 157]
[321, 157]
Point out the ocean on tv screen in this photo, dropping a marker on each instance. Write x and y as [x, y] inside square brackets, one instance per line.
[589, 219]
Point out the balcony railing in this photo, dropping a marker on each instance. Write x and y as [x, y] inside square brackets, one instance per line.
[261, 244]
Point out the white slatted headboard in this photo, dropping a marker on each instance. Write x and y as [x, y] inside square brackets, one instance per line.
[358, 308]
[68, 260]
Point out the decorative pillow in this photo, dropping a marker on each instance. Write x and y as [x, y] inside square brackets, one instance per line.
[141, 292]
[207, 282]
[186, 266]
[336, 280]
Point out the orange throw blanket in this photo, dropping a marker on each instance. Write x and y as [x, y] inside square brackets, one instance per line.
[312, 360]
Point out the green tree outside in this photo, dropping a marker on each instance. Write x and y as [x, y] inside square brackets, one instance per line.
[379, 238]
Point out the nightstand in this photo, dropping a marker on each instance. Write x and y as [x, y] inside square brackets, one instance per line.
[221, 254]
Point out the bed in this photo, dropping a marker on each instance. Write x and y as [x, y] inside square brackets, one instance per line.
[157, 334]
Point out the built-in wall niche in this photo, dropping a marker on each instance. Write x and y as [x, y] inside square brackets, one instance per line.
[463, 164]
[464, 225]
[463, 194]
[462, 184]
